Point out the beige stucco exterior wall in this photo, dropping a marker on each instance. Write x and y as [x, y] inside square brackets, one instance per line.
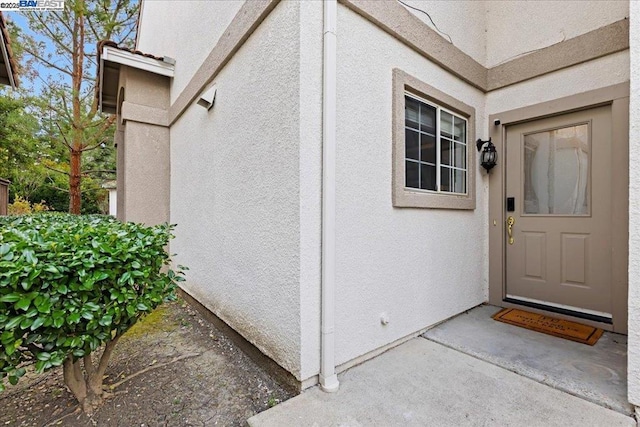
[143, 149]
[493, 31]
[462, 20]
[633, 348]
[245, 177]
[412, 264]
[185, 31]
[235, 190]
[516, 27]
[602, 72]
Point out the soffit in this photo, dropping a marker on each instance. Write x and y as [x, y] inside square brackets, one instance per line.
[111, 57]
[8, 65]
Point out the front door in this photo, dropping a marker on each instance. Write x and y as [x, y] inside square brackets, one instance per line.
[559, 204]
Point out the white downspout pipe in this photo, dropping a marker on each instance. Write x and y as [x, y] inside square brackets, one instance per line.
[328, 378]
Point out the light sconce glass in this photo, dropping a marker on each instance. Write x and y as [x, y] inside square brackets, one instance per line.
[489, 156]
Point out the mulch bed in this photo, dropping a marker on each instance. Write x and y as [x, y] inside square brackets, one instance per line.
[203, 379]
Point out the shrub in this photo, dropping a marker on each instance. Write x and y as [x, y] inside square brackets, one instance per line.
[22, 206]
[70, 284]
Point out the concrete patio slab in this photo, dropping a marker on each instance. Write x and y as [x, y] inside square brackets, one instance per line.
[422, 383]
[597, 373]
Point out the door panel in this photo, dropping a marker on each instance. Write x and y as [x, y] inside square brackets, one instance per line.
[558, 171]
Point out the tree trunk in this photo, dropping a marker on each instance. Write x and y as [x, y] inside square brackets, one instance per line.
[74, 379]
[86, 386]
[75, 195]
[75, 198]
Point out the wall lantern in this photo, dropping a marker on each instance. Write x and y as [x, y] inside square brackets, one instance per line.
[489, 156]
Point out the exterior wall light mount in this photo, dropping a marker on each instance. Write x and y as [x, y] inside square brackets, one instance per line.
[489, 156]
[208, 97]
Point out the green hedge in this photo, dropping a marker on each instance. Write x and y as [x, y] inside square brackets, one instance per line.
[70, 283]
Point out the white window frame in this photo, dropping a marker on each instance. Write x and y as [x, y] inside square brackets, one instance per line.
[438, 136]
[404, 84]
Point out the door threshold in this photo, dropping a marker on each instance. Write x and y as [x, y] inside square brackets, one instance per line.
[559, 310]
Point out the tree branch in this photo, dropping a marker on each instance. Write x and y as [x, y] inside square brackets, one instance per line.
[77, 372]
[152, 367]
[88, 365]
[64, 190]
[62, 21]
[63, 137]
[55, 170]
[47, 62]
[106, 125]
[52, 35]
[97, 171]
[106, 355]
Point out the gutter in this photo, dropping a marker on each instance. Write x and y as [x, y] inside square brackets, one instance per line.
[328, 377]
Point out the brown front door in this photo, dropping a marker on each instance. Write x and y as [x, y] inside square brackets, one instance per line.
[559, 204]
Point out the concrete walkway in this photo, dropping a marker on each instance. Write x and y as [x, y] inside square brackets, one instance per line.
[422, 383]
[596, 373]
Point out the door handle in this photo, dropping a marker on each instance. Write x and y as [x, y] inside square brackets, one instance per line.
[510, 222]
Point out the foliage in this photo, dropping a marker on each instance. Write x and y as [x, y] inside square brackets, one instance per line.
[60, 50]
[69, 284]
[37, 183]
[22, 206]
[18, 145]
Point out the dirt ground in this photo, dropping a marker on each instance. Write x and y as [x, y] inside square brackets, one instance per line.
[207, 381]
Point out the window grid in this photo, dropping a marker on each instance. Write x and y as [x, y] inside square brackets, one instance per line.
[450, 137]
[420, 133]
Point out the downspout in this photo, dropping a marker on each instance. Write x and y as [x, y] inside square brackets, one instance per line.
[328, 378]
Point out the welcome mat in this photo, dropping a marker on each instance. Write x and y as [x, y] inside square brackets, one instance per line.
[550, 325]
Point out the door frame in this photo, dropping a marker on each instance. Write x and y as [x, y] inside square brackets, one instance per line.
[618, 97]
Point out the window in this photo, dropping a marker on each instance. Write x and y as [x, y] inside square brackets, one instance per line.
[435, 143]
[433, 156]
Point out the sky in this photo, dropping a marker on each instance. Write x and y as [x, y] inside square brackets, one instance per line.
[44, 72]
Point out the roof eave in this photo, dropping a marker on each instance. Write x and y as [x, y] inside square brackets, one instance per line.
[7, 55]
[111, 59]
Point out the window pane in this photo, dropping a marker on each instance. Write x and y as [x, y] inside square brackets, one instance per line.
[428, 148]
[427, 177]
[446, 155]
[459, 184]
[411, 144]
[427, 119]
[556, 171]
[411, 111]
[459, 129]
[445, 179]
[412, 178]
[460, 155]
[446, 124]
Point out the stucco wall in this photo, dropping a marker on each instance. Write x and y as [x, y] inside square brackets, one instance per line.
[143, 152]
[184, 30]
[602, 72]
[462, 20]
[146, 162]
[633, 348]
[246, 176]
[419, 266]
[235, 185]
[516, 27]
[493, 31]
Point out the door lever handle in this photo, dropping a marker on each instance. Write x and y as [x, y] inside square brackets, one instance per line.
[510, 222]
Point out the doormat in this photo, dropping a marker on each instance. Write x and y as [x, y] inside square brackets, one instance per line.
[550, 325]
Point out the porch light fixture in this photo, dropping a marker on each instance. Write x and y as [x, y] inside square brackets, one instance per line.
[489, 156]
